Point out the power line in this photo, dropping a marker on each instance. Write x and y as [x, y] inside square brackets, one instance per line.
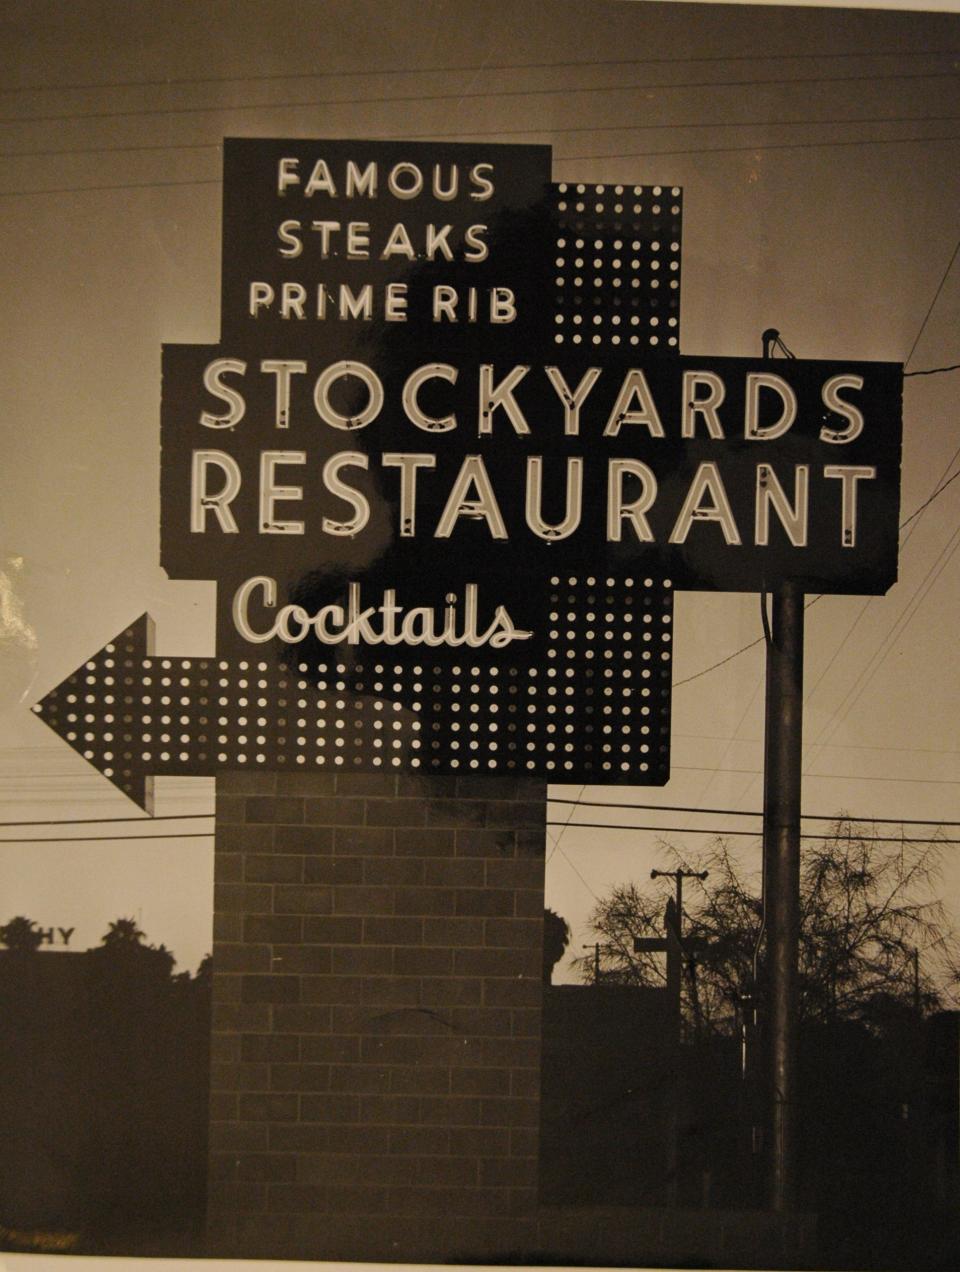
[736, 654]
[938, 486]
[462, 134]
[833, 746]
[893, 630]
[750, 834]
[90, 821]
[748, 706]
[95, 189]
[272, 77]
[559, 159]
[574, 868]
[900, 625]
[575, 802]
[556, 842]
[670, 830]
[111, 150]
[926, 503]
[845, 777]
[722, 663]
[936, 297]
[759, 640]
[510, 93]
[736, 812]
[932, 371]
[101, 839]
[760, 146]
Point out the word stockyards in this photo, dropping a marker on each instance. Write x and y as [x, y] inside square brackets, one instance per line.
[631, 484]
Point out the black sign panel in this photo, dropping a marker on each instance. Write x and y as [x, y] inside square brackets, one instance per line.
[371, 293]
[723, 473]
[447, 467]
[331, 245]
[447, 436]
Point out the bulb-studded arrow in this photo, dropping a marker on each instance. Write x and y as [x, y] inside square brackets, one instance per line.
[134, 716]
[96, 711]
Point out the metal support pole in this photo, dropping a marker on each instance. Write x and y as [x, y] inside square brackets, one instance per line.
[781, 867]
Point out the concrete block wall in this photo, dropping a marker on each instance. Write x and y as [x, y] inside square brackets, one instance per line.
[376, 1030]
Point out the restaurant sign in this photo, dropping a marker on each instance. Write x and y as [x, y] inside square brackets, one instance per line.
[447, 467]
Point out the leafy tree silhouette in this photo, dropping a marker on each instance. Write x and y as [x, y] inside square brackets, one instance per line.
[148, 1032]
[104, 1092]
[556, 938]
[21, 935]
[123, 951]
[123, 932]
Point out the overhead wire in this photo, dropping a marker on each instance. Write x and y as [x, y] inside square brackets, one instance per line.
[102, 839]
[566, 858]
[760, 639]
[749, 834]
[556, 841]
[844, 777]
[939, 486]
[917, 511]
[467, 134]
[732, 741]
[576, 801]
[834, 746]
[756, 812]
[900, 625]
[758, 147]
[932, 371]
[511, 94]
[936, 297]
[273, 76]
[99, 189]
[100, 821]
[558, 159]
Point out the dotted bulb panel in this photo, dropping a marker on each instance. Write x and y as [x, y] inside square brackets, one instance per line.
[598, 706]
[617, 282]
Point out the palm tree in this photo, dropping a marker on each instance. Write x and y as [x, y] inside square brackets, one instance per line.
[123, 932]
[22, 935]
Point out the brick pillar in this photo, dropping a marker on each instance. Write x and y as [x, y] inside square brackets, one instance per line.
[376, 1029]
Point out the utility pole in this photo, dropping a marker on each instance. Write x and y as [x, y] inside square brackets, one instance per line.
[676, 922]
[783, 732]
[679, 876]
[596, 960]
[673, 945]
[916, 980]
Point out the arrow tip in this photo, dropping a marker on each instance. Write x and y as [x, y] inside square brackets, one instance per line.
[93, 711]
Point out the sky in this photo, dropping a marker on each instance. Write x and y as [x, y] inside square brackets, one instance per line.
[818, 153]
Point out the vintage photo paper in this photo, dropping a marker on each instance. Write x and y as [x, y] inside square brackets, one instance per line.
[479, 744]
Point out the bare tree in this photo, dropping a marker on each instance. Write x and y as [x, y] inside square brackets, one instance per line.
[872, 931]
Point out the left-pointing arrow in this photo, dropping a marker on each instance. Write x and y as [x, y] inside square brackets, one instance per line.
[99, 711]
[134, 716]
